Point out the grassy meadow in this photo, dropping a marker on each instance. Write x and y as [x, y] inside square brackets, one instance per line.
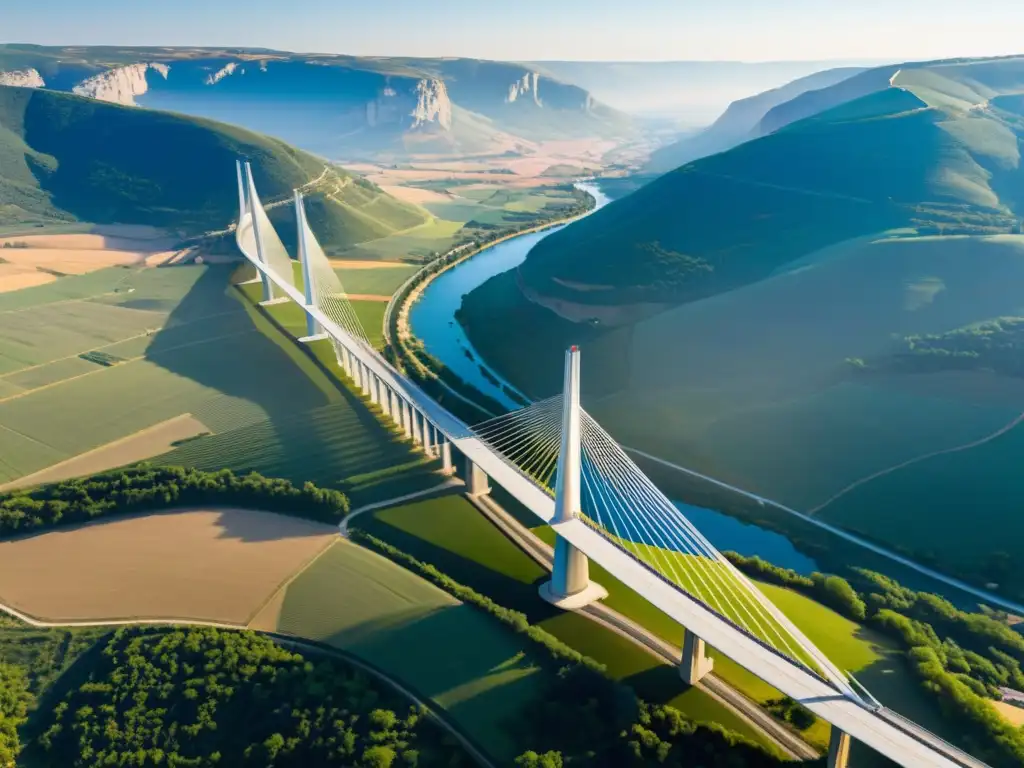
[483, 675]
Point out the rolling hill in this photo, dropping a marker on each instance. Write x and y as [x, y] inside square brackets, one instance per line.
[68, 158]
[739, 121]
[749, 315]
[332, 105]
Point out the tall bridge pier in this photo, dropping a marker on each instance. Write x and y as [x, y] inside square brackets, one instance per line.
[695, 663]
[570, 586]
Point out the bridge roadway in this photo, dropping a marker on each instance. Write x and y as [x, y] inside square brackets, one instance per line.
[910, 747]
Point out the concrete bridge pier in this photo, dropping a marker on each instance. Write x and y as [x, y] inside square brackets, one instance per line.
[570, 586]
[839, 749]
[407, 419]
[695, 663]
[447, 467]
[313, 330]
[477, 482]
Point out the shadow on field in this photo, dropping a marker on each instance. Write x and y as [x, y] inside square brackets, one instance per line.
[274, 419]
[457, 657]
[505, 590]
[252, 526]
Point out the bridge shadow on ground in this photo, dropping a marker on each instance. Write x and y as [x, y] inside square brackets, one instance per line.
[272, 408]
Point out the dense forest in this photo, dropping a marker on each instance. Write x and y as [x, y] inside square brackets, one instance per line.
[208, 697]
[145, 488]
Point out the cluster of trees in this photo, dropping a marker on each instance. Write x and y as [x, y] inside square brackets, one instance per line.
[588, 719]
[208, 697]
[14, 700]
[832, 591]
[145, 488]
[961, 658]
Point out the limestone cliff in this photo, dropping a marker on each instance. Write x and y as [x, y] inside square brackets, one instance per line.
[120, 85]
[227, 69]
[26, 78]
[432, 104]
[526, 85]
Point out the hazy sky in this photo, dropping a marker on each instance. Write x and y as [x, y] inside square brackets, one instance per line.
[634, 30]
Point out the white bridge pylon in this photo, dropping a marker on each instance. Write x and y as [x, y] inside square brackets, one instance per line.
[559, 445]
[615, 515]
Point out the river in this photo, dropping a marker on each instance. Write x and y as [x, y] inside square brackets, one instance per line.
[433, 321]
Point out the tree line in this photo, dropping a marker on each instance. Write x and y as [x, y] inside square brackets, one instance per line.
[960, 658]
[145, 488]
[207, 697]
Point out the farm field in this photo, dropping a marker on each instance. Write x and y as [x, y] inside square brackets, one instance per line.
[383, 281]
[459, 657]
[137, 567]
[450, 533]
[171, 341]
[142, 445]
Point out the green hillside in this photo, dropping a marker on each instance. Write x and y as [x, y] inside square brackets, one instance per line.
[827, 316]
[67, 158]
[885, 161]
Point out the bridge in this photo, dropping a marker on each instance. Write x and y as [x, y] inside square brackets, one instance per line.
[561, 465]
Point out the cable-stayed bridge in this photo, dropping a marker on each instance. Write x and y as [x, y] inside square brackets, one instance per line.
[558, 462]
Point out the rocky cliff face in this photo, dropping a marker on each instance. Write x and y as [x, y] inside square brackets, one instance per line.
[119, 85]
[525, 86]
[432, 105]
[220, 74]
[25, 78]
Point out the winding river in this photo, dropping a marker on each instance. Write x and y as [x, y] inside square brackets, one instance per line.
[432, 319]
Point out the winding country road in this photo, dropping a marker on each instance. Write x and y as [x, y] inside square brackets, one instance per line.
[955, 449]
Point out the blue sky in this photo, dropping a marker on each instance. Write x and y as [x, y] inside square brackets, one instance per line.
[630, 30]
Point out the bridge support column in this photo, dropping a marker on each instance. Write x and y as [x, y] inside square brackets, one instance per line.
[428, 438]
[268, 287]
[477, 482]
[407, 419]
[446, 457]
[570, 586]
[838, 749]
[385, 399]
[695, 663]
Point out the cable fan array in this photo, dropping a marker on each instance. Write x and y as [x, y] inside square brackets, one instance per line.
[622, 504]
[272, 250]
[328, 293]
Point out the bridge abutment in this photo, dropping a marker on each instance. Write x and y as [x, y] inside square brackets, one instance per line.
[695, 663]
[839, 749]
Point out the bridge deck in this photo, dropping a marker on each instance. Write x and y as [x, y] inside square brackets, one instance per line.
[919, 749]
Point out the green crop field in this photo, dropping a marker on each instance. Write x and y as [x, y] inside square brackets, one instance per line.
[451, 534]
[203, 356]
[415, 244]
[465, 661]
[378, 282]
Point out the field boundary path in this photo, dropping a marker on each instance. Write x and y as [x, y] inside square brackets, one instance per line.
[452, 482]
[896, 467]
[747, 710]
[288, 640]
[983, 595]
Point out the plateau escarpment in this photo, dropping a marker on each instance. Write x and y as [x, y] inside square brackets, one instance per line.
[334, 105]
[24, 78]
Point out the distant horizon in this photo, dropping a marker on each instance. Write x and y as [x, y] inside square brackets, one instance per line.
[633, 32]
[841, 61]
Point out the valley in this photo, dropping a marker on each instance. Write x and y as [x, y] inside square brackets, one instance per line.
[812, 299]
